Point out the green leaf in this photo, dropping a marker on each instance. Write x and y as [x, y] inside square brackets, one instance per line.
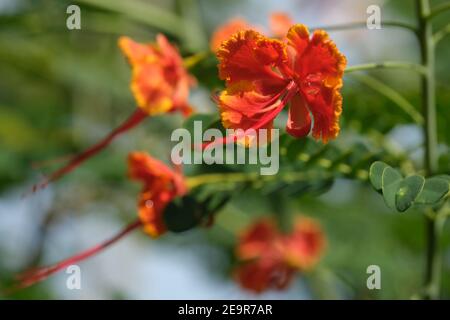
[296, 147]
[433, 191]
[390, 183]
[376, 173]
[183, 214]
[408, 191]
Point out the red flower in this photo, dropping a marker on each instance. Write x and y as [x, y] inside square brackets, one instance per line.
[225, 31]
[304, 247]
[263, 75]
[161, 185]
[160, 84]
[279, 23]
[270, 259]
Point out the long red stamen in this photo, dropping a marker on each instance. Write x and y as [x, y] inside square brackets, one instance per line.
[288, 92]
[131, 122]
[36, 275]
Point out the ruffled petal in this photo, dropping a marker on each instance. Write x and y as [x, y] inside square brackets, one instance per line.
[144, 168]
[257, 240]
[299, 119]
[318, 68]
[150, 210]
[248, 110]
[261, 275]
[152, 92]
[160, 82]
[305, 246]
[136, 52]
[251, 57]
[225, 31]
[160, 186]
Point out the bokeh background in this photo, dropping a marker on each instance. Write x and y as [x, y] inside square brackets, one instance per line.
[61, 90]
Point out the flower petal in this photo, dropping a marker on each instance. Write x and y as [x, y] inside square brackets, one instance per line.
[160, 186]
[257, 240]
[137, 52]
[160, 83]
[264, 274]
[305, 246]
[299, 119]
[251, 57]
[318, 68]
[225, 31]
[280, 22]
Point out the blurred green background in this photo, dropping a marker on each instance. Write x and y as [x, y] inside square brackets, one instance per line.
[61, 90]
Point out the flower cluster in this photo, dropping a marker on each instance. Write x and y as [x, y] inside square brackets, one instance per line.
[269, 259]
[262, 76]
[160, 84]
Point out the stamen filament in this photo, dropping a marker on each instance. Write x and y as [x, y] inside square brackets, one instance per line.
[33, 276]
[131, 122]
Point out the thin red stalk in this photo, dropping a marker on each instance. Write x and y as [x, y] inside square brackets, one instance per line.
[46, 163]
[131, 122]
[33, 276]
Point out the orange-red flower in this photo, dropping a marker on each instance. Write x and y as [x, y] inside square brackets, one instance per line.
[270, 259]
[279, 24]
[160, 84]
[263, 75]
[225, 31]
[160, 185]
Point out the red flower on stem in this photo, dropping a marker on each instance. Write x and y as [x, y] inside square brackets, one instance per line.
[264, 75]
[270, 259]
[160, 186]
[160, 84]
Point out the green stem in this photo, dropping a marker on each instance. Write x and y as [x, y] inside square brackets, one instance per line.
[357, 25]
[437, 10]
[236, 177]
[391, 94]
[433, 223]
[439, 35]
[388, 65]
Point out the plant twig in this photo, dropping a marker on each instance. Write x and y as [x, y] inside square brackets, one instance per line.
[388, 65]
[433, 225]
[363, 24]
[436, 11]
[392, 95]
[439, 35]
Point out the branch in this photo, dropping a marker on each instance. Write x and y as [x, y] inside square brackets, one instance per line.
[388, 65]
[392, 95]
[439, 35]
[357, 25]
[438, 10]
